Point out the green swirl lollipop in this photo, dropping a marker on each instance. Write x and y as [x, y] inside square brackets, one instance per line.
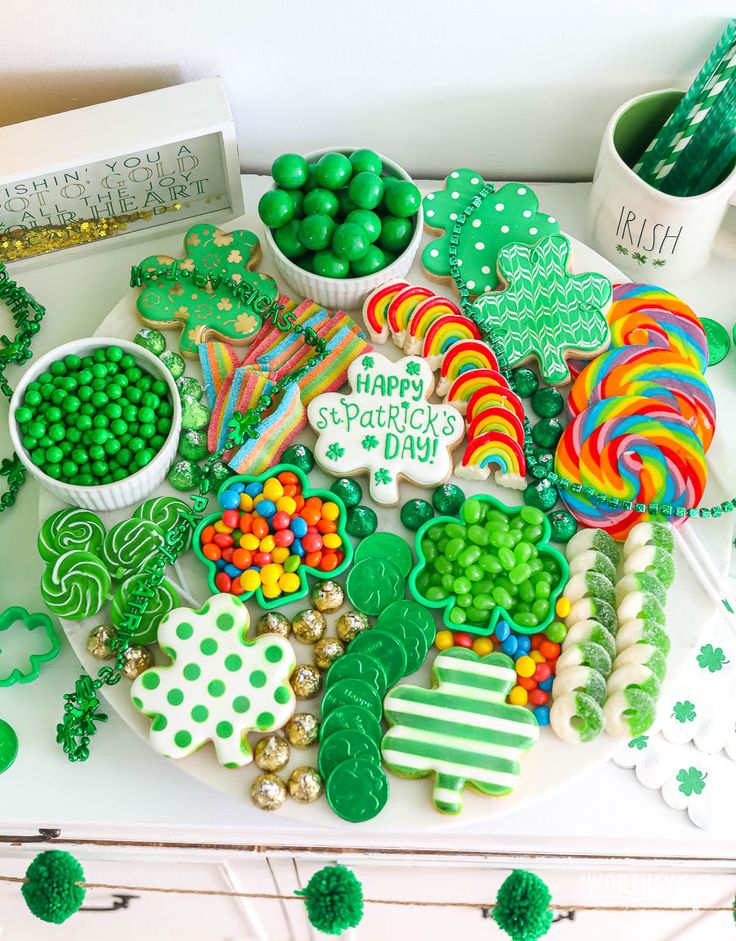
[130, 545]
[75, 585]
[164, 512]
[165, 599]
[68, 529]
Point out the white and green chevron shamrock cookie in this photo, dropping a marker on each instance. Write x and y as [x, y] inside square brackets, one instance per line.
[462, 731]
[219, 686]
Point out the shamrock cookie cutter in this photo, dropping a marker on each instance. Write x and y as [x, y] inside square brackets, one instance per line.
[10, 674]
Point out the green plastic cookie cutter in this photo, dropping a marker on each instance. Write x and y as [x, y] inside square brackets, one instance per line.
[29, 670]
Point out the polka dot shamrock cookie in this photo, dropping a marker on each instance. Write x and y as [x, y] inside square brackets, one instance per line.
[202, 307]
[509, 216]
[219, 686]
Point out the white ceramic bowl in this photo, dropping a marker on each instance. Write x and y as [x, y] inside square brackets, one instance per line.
[122, 493]
[347, 293]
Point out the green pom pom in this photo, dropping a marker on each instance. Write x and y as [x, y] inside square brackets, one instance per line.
[334, 900]
[522, 907]
[51, 891]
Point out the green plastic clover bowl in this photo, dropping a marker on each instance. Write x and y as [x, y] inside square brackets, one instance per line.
[498, 612]
[11, 673]
[303, 570]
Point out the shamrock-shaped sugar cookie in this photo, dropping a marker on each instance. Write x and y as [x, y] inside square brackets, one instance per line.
[209, 311]
[219, 686]
[510, 215]
[545, 312]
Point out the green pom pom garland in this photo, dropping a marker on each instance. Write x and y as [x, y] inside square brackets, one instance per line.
[334, 900]
[51, 889]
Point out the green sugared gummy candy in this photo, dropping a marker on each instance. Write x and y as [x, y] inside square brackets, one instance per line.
[193, 445]
[300, 456]
[184, 475]
[152, 340]
[174, 363]
[415, 513]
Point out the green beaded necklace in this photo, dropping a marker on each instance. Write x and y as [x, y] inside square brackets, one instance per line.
[536, 467]
[27, 315]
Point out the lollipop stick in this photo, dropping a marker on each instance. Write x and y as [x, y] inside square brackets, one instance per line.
[713, 583]
[183, 592]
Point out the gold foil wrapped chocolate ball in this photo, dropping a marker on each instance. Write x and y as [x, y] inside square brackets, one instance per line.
[305, 680]
[302, 729]
[305, 784]
[327, 650]
[99, 641]
[136, 661]
[327, 596]
[273, 623]
[268, 792]
[271, 753]
[350, 624]
[309, 625]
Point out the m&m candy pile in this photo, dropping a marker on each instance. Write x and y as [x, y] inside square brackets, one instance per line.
[535, 660]
[341, 216]
[267, 530]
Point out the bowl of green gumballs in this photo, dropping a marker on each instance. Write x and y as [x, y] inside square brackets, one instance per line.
[341, 222]
[97, 422]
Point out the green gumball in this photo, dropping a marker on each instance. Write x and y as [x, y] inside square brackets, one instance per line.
[350, 241]
[345, 203]
[287, 239]
[275, 208]
[290, 171]
[297, 202]
[315, 232]
[370, 221]
[366, 190]
[402, 199]
[333, 171]
[374, 260]
[395, 233]
[328, 265]
[321, 201]
[366, 161]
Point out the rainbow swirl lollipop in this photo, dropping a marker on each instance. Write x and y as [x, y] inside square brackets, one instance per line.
[68, 529]
[75, 585]
[655, 373]
[645, 315]
[129, 545]
[633, 448]
[165, 599]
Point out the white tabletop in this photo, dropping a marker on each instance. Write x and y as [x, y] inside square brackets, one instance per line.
[125, 791]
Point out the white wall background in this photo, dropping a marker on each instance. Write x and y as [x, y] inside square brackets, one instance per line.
[513, 88]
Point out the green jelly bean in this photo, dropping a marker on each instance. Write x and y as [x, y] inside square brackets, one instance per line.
[544, 577]
[514, 538]
[519, 573]
[498, 516]
[550, 566]
[464, 601]
[506, 558]
[526, 591]
[443, 565]
[523, 551]
[522, 606]
[476, 615]
[435, 593]
[497, 539]
[474, 573]
[535, 565]
[422, 582]
[526, 619]
[429, 550]
[434, 533]
[435, 578]
[483, 602]
[457, 616]
[477, 535]
[454, 548]
[461, 586]
[502, 597]
[541, 609]
[530, 514]
[455, 531]
[496, 526]
[447, 582]
[485, 586]
[291, 564]
[442, 545]
[532, 533]
[489, 563]
[542, 590]
[517, 523]
[469, 556]
[472, 511]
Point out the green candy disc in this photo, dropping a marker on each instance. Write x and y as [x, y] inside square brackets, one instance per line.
[358, 666]
[373, 584]
[357, 790]
[8, 745]
[386, 546]
[718, 341]
[345, 744]
[386, 648]
[352, 693]
[410, 636]
[415, 613]
[351, 717]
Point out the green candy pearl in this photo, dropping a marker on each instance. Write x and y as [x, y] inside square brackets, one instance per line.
[415, 513]
[193, 445]
[349, 491]
[299, 456]
[547, 403]
[542, 495]
[361, 521]
[526, 382]
[562, 525]
[547, 432]
[184, 475]
[447, 499]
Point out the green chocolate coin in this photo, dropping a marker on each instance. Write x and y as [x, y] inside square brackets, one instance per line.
[373, 584]
[718, 342]
[351, 717]
[415, 513]
[8, 745]
[352, 693]
[413, 612]
[411, 637]
[358, 666]
[386, 648]
[347, 743]
[387, 546]
[357, 790]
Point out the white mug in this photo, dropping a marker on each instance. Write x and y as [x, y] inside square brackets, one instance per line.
[651, 236]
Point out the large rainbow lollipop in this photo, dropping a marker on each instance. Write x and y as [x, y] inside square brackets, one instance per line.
[633, 448]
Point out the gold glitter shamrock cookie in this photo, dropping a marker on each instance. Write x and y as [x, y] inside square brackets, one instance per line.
[219, 686]
[510, 215]
[544, 311]
[199, 305]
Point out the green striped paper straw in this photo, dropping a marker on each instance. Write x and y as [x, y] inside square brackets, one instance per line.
[724, 72]
[715, 170]
[651, 157]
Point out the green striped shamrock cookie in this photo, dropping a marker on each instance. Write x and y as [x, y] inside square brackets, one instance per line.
[461, 731]
[219, 686]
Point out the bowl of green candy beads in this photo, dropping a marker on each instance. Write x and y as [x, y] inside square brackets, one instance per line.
[96, 422]
[340, 222]
[491, 562]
